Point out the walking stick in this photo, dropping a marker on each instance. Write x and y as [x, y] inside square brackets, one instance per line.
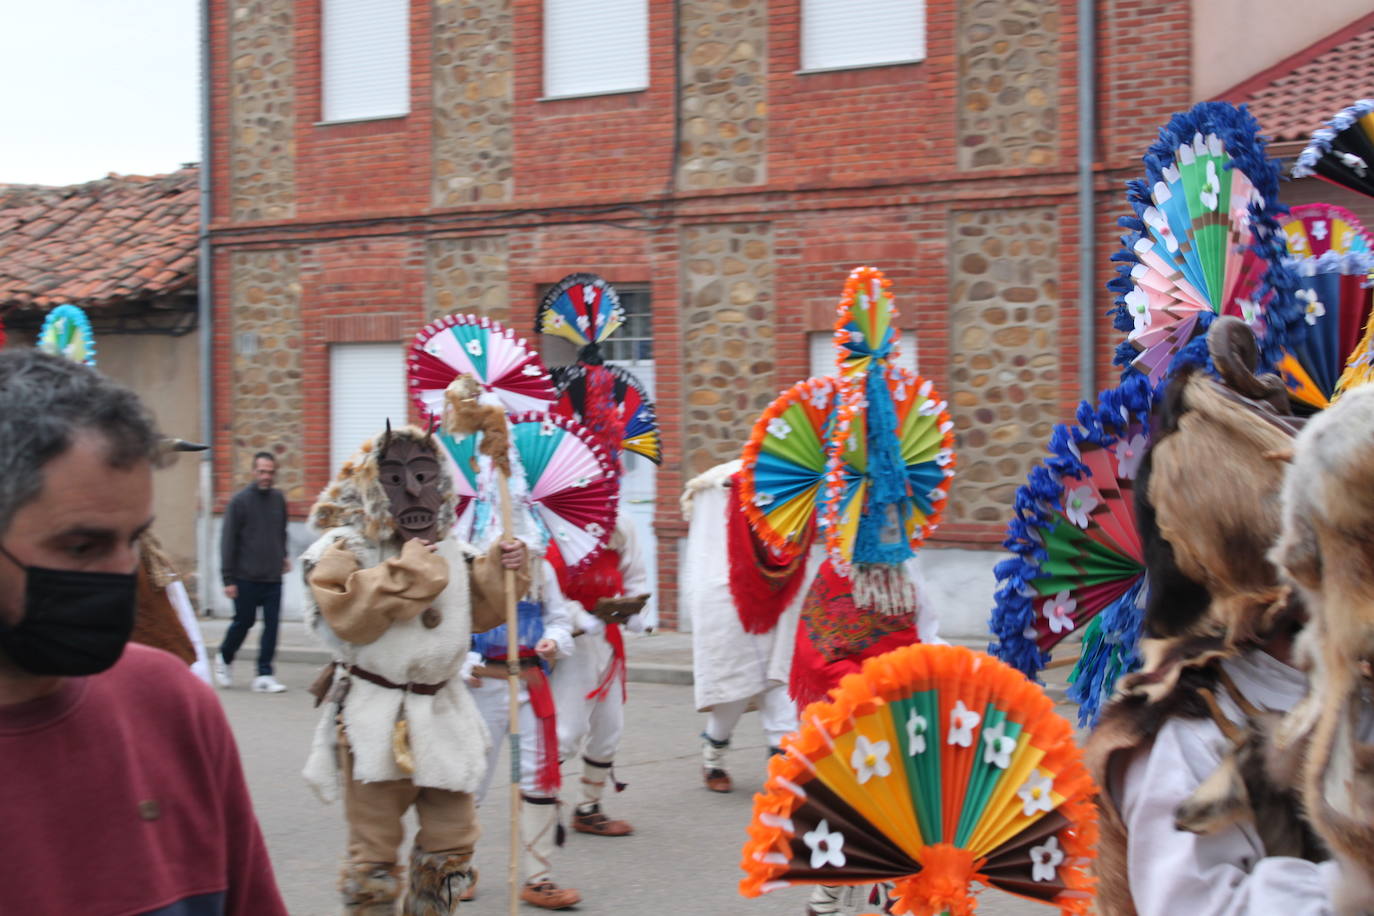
[463, 415]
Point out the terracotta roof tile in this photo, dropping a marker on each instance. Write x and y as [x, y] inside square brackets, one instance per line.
[1300, 93]
[122, 237]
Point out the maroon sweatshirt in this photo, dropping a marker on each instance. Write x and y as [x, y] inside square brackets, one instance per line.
[122, 794]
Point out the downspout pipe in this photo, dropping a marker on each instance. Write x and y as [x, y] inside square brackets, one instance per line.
[1087, 217]
[204, 287]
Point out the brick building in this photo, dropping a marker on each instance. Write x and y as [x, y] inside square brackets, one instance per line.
[726, 162]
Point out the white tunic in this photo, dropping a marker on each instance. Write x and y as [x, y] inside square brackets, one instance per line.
[1221, 874]
[448, 739]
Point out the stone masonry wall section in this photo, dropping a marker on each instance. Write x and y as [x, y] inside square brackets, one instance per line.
[1004, 365]
[728, 322]
[1008, 84]
[473, 102]
[268, 394]
[262, 110]
[468, 276]
[724, 93]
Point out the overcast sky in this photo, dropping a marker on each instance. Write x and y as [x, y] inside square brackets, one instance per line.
[89, 87]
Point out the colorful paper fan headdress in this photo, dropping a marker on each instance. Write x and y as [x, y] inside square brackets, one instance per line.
[1205, 243]
[1342, 152]
[1333, 259]
[934, 767]
[585, 310]
[477, 346]
[67, 332]
[1079, 564]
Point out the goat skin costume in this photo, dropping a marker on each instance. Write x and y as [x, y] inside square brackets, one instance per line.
[1181, 733]
[399, 727]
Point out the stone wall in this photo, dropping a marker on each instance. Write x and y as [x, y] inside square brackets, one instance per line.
[268, 404]
[1008, 83]
[468, 276]
[262, 114]
[724, 107]
[728, 320]
[473, 63]
[1004, 364]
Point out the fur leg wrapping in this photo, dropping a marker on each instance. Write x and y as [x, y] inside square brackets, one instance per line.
[369, 888]
[538, 835]
[713, 752]
[437, 881]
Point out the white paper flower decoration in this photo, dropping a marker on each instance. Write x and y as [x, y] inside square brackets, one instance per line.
[1036, 794]
[1045, 860]
[1129, 453]
[916, 727]
[827, 846]
[1312, 306]
[962, 722]
[779, 428]
[1058, 611]
[1138, 307]
[474, 347]
[998, 746]
[869, 759]
[1079, 504]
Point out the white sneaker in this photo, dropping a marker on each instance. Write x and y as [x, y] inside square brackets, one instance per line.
[223, 676]
[266, 683]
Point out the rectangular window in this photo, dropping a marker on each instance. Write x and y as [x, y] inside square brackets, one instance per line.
[367, 387]
[595, 47]
[366, 59]
[821, 345]
[839, 34]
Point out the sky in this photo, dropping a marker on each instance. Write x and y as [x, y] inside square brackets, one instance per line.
[89, 87]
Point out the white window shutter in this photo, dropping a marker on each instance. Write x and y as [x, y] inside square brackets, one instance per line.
[862, 33]
[821, 347]
[595, 47]
[366, 59]
[367, 387]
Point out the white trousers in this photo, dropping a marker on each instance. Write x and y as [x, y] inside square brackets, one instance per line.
[589, 727]
[493, 701]
[777, 715]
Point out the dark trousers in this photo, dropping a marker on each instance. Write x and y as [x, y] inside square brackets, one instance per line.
[254, 595]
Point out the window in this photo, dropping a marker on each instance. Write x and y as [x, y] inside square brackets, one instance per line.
[366, 59]
[595, 47]
[821, 345]
[837, 34]
[367, 387]
[633, 341]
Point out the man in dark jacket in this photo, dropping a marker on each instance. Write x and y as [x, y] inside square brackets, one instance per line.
[252, 560]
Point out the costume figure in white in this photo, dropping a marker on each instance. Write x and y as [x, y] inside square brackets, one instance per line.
[392, 598]
[589, 687]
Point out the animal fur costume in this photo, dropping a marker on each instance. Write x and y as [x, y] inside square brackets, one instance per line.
[1206, 501]
[399, 727]
[1327, 551]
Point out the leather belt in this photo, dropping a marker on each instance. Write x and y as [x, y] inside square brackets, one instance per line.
[428, 690]
[497, 668]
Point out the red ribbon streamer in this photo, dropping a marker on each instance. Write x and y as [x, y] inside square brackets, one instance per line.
[762, 582]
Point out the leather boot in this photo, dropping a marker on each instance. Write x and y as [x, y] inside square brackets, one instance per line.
[437, 881]
[713, 771]
[588, 817]
[539, 834]
[369, 888]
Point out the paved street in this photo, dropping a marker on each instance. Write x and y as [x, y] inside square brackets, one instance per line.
[682, 861]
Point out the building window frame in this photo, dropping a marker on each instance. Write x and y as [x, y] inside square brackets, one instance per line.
[821, 20]
[566, 29]
[346, 42]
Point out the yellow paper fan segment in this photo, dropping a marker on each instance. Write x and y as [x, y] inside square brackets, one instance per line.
[935, 767]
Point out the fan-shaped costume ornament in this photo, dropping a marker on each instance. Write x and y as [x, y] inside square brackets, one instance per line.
[1342, 151]
[67, 332]
[1333, 259]
[1205, 243]
[934, 767]
[477, 346]
[1079, 564]
[585, 310]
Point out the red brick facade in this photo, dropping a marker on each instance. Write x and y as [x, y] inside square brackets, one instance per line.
[862, 166]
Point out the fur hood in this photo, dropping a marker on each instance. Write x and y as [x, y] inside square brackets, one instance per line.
[356, 499]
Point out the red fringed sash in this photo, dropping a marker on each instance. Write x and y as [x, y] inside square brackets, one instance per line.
[547, 777]
[762, 583]
[601, 579]
[834, 636]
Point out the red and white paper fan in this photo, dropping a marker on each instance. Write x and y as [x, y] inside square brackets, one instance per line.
[504, 364]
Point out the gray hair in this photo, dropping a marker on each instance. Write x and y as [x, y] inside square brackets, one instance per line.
[44, 401]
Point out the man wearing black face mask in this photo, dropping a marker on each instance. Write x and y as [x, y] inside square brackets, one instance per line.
[116, 759]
